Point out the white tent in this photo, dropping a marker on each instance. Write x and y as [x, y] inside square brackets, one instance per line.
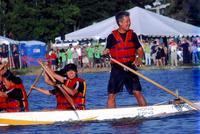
[7, 41]
[144, 22]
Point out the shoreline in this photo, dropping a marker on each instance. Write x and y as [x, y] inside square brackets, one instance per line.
[37, 70]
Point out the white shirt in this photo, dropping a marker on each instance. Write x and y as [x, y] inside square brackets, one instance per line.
[79, 51]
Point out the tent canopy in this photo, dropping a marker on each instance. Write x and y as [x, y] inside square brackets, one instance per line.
[32, 43]
[7, 41]
[144, 22]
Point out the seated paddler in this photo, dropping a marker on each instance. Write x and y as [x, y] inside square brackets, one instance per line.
[13, 97]
[74, 86]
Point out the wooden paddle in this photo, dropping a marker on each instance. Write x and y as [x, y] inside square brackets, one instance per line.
[35, 82]
[2, 66]
[157, 84]
[69, 99]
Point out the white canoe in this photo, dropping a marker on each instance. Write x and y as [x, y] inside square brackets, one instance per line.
[50, 117]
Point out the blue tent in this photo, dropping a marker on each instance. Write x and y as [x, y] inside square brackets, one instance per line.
[31, 51]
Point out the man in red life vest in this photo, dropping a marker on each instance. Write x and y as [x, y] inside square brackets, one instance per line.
[76, 88]
[13, 98]
[123, 46]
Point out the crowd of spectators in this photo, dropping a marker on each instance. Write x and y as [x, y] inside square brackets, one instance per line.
[84, 56]
[173, 51]
[158, 52]
[12, 57]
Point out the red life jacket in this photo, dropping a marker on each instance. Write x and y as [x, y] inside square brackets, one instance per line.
[9, 105]
[24, 99]
[123, 51]
[2, 87]
[12, 105]
[78, 99]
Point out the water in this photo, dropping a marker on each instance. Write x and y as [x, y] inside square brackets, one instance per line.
[187, 81]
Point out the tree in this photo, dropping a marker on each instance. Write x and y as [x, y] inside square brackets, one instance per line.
[92, 11]
[185, 10]
[40, 20]
[2, 16]
[45, 19]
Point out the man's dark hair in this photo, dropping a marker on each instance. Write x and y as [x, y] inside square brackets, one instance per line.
[120, 15]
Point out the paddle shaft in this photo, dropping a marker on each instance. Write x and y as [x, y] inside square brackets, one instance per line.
[69, 99]
[35, 82]
[157, 84]
[48, 72]
[2, 67]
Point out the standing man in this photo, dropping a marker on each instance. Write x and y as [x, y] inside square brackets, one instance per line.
[123, 45]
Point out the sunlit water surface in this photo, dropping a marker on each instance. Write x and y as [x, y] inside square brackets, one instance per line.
[186, 81]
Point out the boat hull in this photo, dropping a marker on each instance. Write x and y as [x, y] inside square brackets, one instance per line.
[51, 117]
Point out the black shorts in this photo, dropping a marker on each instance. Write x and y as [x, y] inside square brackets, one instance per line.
[120, 77]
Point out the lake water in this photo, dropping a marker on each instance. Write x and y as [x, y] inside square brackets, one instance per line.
[186, 81]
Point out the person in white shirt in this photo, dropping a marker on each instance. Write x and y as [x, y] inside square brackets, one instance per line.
[79, 51]
[173, 50]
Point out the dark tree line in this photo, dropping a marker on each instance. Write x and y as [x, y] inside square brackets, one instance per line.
[45, 19]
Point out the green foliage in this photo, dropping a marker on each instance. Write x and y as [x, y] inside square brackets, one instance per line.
[45, 19]
[40, 20]
[92, 11]
[185, 10]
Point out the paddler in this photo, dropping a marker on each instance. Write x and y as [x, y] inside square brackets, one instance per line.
[76, 88]
[123, 46]
[13, 97]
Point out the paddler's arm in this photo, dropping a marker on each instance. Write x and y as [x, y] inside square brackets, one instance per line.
[14, 93]
[48, 80]
[70, 91]
[2, 69]
[79, 86]
[42, 90]
[59, 78]
[109, 45]
[56, 76]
